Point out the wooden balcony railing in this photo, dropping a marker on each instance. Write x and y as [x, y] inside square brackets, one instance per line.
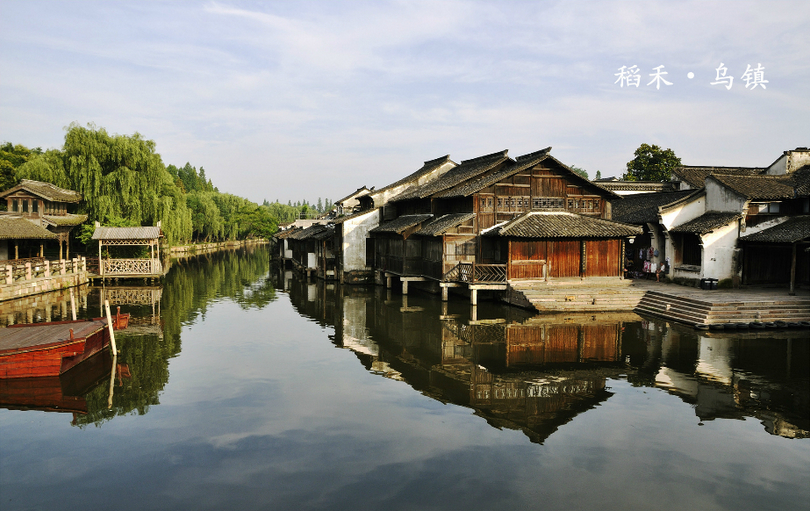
[474, 273]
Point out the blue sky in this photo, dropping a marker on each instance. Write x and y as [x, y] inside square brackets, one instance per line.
[299, 100]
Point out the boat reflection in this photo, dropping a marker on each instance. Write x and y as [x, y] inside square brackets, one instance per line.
[537, 373]
[67, 393]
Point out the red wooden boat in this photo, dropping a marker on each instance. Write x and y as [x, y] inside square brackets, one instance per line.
[49, 349]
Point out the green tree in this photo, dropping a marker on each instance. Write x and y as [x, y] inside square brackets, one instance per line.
[651, 163]
[580, 171]
[123, 177]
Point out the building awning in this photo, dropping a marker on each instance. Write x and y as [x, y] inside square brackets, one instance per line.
[793, 230]
[538, 224]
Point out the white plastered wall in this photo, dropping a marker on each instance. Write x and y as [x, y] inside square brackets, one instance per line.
[355, 232]
[720, 198]
[718, 252]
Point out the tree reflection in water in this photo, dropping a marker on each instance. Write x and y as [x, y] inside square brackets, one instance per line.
[191, 285]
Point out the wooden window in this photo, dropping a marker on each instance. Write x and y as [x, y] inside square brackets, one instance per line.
[691, 249]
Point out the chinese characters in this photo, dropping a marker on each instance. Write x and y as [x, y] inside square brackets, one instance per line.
[631, 76]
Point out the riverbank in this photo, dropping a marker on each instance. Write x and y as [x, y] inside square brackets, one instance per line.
[205, 248]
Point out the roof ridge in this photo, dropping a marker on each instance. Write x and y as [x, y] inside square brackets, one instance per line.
[541, 152]
[499, 154]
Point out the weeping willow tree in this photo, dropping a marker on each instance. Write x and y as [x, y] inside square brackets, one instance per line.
[48, 167]
[122, 177]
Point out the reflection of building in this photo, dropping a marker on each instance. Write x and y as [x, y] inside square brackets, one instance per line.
[736, 376]
[52, 306]
[563, 366]
[537, 374]
[144, 297]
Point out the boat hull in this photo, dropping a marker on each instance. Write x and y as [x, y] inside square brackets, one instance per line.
[49, 349]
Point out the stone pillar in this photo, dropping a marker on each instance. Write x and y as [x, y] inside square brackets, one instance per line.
[445, 293]
[474, 297]
[404, 287]
[27, 271]
[47, 268]
[9, 274]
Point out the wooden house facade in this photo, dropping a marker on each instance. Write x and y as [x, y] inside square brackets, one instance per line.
[439, 231]
[47, 206]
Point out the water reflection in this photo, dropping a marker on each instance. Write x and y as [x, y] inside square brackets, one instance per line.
[536, 374]
[158, 313]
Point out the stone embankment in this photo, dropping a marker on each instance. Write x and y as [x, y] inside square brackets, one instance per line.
[204, 248]
[41, 276]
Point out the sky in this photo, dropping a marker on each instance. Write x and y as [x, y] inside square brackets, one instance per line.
[283, 100]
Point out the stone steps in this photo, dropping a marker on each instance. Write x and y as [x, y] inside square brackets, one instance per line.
[618, 295]
[693, 311]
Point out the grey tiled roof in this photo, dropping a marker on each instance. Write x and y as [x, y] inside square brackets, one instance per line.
[440, 225]
[400, 224]
[707, 222]
[455, 176]
[342, 219]
[477, 183]
[428, 167]
[696, 176]
[794, 229]
[65, 220]
[758, 187]
[126, 233]
[307, 233]
[286, 233]
[18, 228]
[643, 207]
[563, 225]
[801, 181]
[47, 191]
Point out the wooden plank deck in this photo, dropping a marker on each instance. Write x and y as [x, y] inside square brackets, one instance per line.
[20, 337]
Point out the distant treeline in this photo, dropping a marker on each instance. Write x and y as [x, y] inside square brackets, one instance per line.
[124, 182]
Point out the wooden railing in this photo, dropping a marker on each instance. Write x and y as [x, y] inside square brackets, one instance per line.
[16, 270]
[112, 267]
[473, 273]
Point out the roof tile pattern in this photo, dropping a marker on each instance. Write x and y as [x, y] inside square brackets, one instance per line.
[126, 233]
[563, 225]
[795, 229]
[428, 167]
[696, 176]
[308, 233]
[400, 224]
[707, 222]
[468, 169]
[18, 228]
[759, 187]
[47, 191]
[643, 207]
[478, 183]
[64, 220]
[442, 224]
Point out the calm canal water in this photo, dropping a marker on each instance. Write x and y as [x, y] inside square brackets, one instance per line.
[240, 387]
